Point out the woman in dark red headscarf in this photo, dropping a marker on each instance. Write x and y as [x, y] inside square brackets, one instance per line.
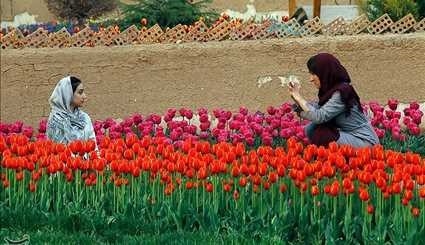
[338, 115]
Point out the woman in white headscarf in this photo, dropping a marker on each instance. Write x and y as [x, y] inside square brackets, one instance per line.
[66, 121]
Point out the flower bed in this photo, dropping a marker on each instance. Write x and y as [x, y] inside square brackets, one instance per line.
[332, 193]
[238, 172]
[271, 128]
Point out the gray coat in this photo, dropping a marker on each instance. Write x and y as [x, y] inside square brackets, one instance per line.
[355, 129]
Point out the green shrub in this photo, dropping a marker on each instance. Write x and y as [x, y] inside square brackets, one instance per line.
[396, 9]
[421, 8]
[167, 13]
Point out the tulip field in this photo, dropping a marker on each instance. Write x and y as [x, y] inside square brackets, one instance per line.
[215, 177]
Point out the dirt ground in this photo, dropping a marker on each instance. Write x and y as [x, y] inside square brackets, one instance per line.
[270, 5]
[10, 8]
[152, 78]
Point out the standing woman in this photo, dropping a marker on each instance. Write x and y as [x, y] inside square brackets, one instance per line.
[338, 116]
[67, 122]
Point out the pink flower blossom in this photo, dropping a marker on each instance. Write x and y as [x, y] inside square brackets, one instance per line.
[392, 104]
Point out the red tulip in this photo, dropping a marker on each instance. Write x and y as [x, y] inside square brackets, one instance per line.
[370, 209]
[202, 174]
[334, 188]
[266, 185]
[209, 187]
[422, 192]
[6, 183]
[315, 190]
[227, 187]
[273, 177]
[405, 202]
[364, 195]
[32, 187]
[242, 182]
[236, 195]
[135, 172]
[189, 185]
[19, 176]
[409, 184]
[235, 171]
[282, 188]
[408, 195]
[396, 188]
[416, 212]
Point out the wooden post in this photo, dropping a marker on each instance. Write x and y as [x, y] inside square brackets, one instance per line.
[316, 7]
[292, 7]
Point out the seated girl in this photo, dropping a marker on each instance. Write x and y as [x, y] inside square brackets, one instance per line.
[67, 122]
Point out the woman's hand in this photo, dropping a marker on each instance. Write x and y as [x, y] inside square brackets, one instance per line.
[294, 89]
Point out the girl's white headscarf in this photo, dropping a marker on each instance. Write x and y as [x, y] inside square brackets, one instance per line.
[60, 102]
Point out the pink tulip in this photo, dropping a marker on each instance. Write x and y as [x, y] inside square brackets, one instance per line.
[396, 135]
[286, 108]
[16, 127]
[386, 124]
[42, 126]
[108, 123]
[228, 115]
[204, 126]
[417, 117]
[271, 110]
[267, 140]
[156, 119]
[215, 132]
[174, 135]
[167, 118]
[392, 104]
[250, 141]
[137, 118]
[389, 114]
[27, 131]
[172, 112]
[204, 135]
[375, 122]
[41, 136]
[221, 125]
[114, 135]
[202, 111]
[203, 118]
[243, 110]
[380, 133]
[188, 114]
[397, 114]
[414, 105]
[415, 130]
[407, 121]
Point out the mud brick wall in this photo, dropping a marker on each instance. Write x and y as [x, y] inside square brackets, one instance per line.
[151, 78]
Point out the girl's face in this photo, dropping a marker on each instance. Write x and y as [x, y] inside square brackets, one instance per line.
[79, 96]
[315, 80]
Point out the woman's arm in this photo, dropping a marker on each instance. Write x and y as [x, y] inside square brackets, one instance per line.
[89, 130]
[300, 101]
[327, 112]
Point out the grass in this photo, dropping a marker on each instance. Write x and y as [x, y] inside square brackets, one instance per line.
[51, 236]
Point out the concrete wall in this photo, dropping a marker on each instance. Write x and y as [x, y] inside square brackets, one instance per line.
[152, 78]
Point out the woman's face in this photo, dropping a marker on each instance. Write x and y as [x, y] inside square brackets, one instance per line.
[79, 96]
[315, 80]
